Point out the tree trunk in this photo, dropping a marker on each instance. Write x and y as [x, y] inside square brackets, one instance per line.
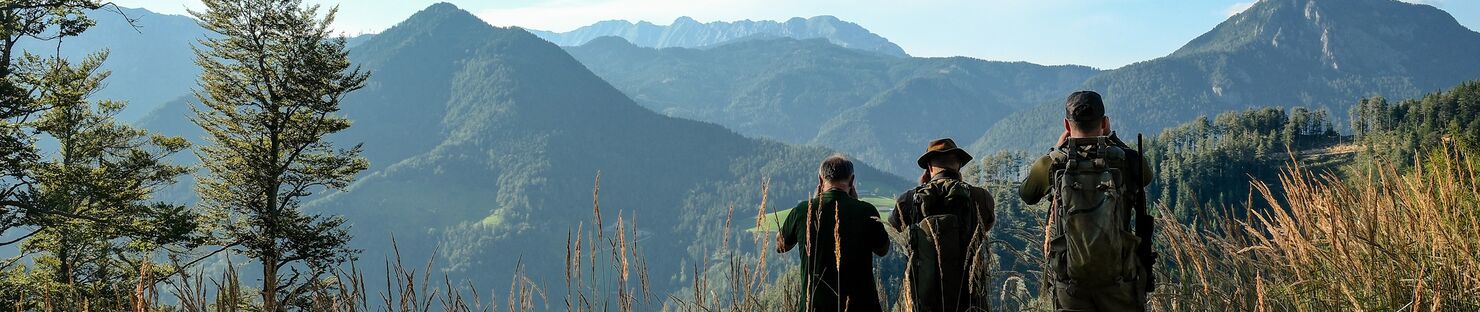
[269, 283]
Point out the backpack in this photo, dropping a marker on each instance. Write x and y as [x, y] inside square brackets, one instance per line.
[944, 204]
[1092, 243]
[938, 244]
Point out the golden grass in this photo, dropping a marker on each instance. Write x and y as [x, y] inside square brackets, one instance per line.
[1383, 241]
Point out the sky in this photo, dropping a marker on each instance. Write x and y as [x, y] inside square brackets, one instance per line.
[1101, 33]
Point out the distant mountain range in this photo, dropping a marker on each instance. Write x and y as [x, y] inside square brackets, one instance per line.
[151, 59]
[487, 143]
[881, 109]
[1312, 53]
[685, 32]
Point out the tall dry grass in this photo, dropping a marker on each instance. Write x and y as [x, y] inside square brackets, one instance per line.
[1382, 241]
[407, 288]
[739, 279]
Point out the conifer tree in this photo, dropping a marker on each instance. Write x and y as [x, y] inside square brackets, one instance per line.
[271, 87]
[27, 20]
[101, 226]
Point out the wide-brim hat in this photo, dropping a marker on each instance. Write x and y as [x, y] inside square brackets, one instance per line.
[942, 147]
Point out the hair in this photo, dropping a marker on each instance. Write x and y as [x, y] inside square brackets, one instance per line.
[1087, 125]
[947, 172]
[945, 161]
[836, 168]
[1085, 103]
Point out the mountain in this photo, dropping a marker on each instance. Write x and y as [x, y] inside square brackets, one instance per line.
[879, 108]
[1312, 53]
[685, 32]
[487, 143]
[150, 59]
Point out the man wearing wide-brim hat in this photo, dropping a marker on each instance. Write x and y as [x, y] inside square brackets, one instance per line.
[947, 221]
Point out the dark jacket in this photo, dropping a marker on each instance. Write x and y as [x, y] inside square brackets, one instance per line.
[837, 222]
[939, 286]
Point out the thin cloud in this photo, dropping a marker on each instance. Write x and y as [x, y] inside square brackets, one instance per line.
[568, 15]
[1237, 8]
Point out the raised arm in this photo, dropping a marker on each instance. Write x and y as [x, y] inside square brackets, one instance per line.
[986, 209]
[877, 235]
[1036, 185]
[900, 218]
[786, 235]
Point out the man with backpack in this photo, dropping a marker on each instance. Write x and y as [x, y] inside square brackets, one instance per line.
[839, 236]
[946, 221]
[1098, 236]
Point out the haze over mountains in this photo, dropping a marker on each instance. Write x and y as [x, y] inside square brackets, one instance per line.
[685, 32]
[1312, 53]
[151, 59]
[486, 142]
[878, 108]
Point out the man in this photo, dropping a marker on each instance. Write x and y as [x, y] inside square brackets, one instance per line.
[947, 221]
[1098, 185]
[839, 236]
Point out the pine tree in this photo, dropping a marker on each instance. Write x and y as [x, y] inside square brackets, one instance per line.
[23, 20]
[102, 226]
[272, 84]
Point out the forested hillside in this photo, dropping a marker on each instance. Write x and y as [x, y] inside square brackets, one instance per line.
[479, 147]
[489, 146]
[878, 108]
[1304, 159]
[1390, 131]
[1321, 54]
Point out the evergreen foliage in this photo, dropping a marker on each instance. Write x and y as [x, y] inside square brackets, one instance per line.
[100, 224]
[270, 93]
[1392, 132]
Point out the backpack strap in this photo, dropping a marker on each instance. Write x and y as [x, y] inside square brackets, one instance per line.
[919, 202]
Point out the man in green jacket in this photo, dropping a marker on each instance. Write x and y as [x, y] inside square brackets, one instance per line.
[1085, 149]
[839, 236]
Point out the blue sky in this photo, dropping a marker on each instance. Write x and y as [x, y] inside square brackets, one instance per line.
[1101, 33]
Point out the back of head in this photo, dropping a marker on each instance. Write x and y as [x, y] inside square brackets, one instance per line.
[836, 168]
[1084, 110]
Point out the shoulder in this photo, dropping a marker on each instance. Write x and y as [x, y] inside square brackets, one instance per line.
[803, 205]
[1048, 158]
[865, 206]
[1135, 159]
[906, 196]
[978, 190]
[1132, 154]
[1044, 163]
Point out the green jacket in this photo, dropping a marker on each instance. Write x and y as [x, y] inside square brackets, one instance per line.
[838, 222]
[1037, 184]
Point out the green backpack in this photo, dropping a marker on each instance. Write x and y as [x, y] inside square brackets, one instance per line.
[943, 206]
[1092, 243]
[938, 244]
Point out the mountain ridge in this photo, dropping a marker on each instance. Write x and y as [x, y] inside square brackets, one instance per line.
[1282, 53]
[150, 57]
[519, 138]
[686, 32]
[809, 91]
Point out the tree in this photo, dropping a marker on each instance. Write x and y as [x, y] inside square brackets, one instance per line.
[101, 224]
[272, 84]
[21, 20]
